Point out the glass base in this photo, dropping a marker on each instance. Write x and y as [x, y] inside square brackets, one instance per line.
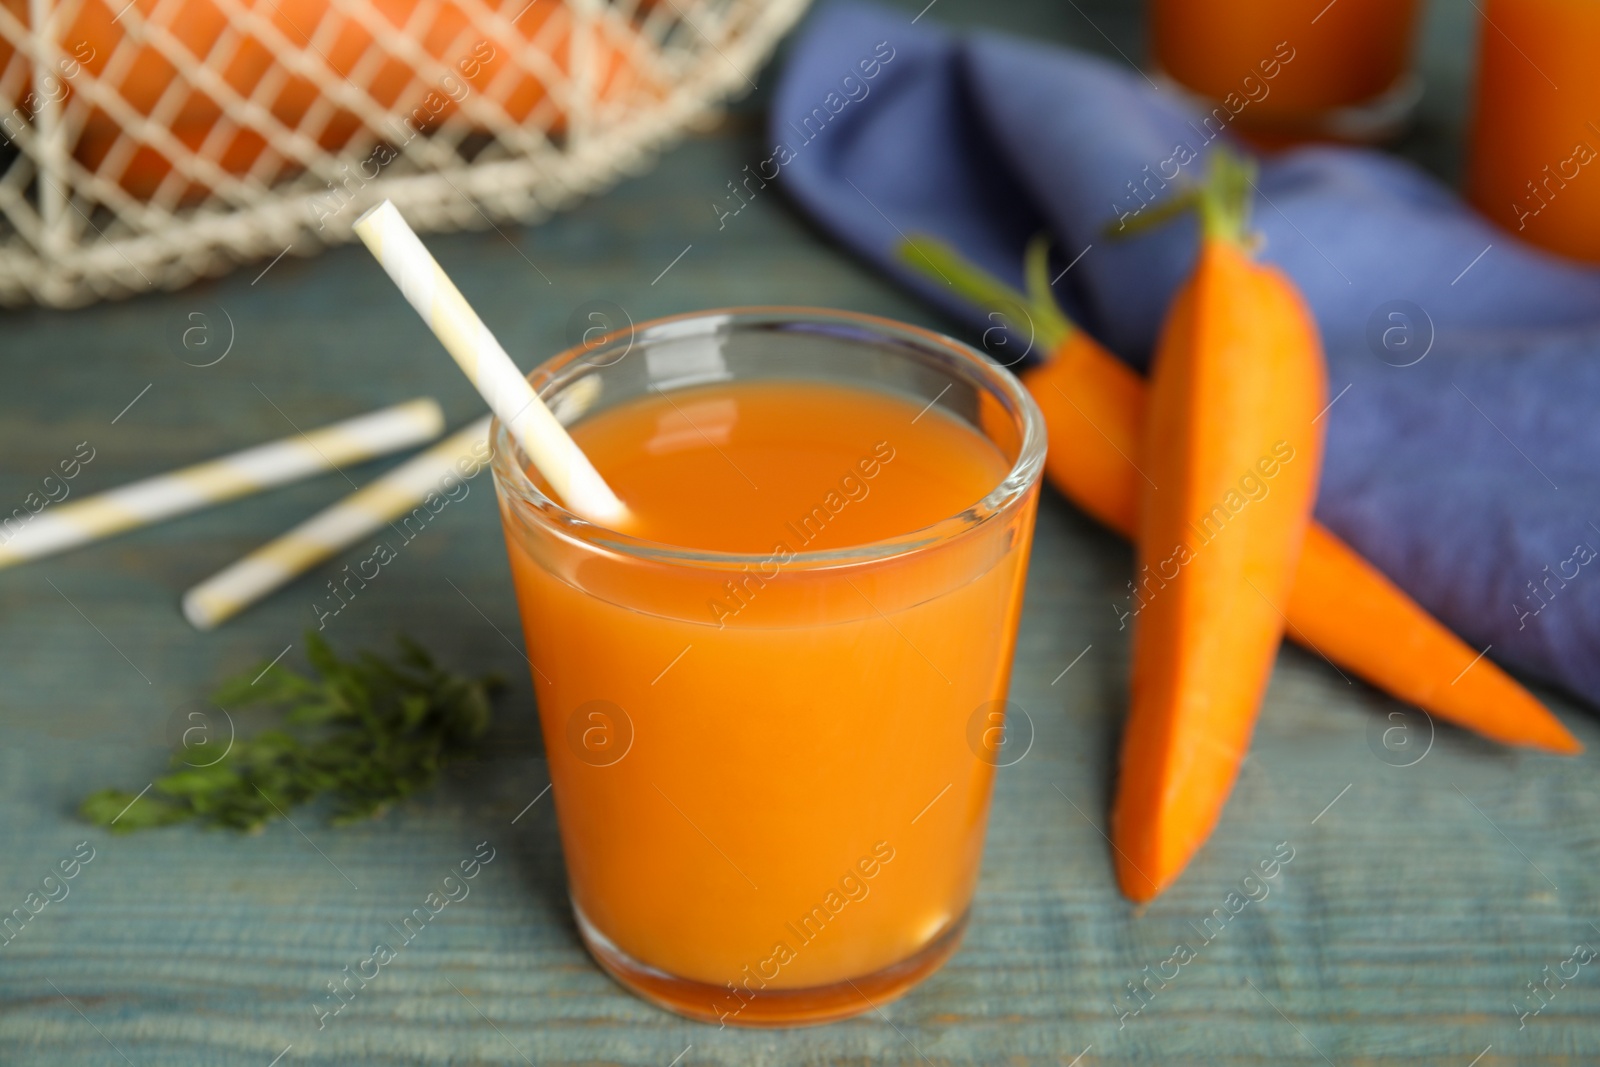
[769, 1008]
[1373, 121]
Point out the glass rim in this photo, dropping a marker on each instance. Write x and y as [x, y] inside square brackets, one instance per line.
[508, 464]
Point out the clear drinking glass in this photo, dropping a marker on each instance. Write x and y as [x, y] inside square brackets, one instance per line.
[776, 817]
[1282, 71]
[1535, 133]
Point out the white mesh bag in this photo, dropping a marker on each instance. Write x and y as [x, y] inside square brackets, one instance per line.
[144, 143]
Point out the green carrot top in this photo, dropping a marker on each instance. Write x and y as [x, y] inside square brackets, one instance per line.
[939, 262]
[1222, 200]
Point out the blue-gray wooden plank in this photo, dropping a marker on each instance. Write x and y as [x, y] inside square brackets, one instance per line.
[1414, 912]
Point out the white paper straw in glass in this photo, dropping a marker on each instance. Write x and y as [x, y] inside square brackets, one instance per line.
[542, 437]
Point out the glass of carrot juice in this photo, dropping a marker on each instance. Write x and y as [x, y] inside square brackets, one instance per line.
[1535, 134]
[1289, 70]
[769, 706]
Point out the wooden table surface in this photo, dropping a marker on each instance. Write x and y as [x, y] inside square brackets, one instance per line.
[1429, 884]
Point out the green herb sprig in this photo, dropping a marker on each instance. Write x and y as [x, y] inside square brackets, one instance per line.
[366, 733]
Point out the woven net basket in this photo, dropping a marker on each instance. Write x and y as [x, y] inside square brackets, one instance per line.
[150, 142]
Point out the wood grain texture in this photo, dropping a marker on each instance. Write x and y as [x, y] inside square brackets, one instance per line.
[1415, 910]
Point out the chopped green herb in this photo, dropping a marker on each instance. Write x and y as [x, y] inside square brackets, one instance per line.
[366, 733]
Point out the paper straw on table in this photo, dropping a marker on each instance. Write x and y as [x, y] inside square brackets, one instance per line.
[237, 586]
[485, 363]
[290, 459]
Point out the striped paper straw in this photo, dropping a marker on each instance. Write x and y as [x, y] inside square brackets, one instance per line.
[226, 478]
[486, 365]
[236, 587]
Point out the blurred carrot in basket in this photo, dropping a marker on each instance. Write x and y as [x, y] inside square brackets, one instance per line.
[415, 64]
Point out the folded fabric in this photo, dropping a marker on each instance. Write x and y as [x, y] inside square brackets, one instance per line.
[1464, 365]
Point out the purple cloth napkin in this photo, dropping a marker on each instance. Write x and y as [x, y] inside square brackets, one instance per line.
[1465, 434]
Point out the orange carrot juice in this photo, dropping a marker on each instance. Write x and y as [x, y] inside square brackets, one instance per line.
[1535, 141]
[1283, 66]
[757, 703]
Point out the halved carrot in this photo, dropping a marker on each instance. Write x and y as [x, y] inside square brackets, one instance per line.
[1233, 453]
[1342, 607]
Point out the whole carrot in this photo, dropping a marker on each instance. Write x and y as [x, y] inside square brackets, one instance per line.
[1341, 607]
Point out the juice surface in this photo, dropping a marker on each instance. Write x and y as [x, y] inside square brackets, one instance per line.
[768, 779]
[738, 467]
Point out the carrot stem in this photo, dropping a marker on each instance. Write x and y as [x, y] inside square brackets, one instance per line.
[1222, 201]
[936, 260]
[1225, 197]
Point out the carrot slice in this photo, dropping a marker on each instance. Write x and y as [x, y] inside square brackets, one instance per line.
[1233, 454]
